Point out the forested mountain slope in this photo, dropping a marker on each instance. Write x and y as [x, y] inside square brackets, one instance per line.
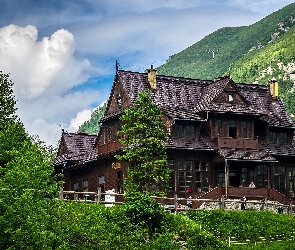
[229, 45]
[92, 126]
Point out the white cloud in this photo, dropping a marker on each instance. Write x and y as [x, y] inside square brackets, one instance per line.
[80, 118]
[36, 66]
[44, 73]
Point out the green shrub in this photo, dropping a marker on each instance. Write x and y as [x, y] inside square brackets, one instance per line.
[144, 210]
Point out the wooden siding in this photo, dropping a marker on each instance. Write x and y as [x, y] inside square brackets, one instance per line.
[108, 148]
[244, 143]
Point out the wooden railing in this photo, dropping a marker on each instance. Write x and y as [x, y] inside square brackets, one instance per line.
[240, 143]
[108, 147]
[174, 204]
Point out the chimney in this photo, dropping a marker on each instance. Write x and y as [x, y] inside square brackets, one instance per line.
[152, 77]
[274, 88]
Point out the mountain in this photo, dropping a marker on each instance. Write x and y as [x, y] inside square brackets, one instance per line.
[92, 126]
[229, 45]
[250, 54]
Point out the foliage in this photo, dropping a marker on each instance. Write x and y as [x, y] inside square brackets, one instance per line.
[33, 223]
[143, 136]
[92, 126]
[246, 225]
[26, 176]
[144, 210]
[26, 162]
[7, 101]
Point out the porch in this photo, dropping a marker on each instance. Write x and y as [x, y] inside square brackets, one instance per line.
[250, 194]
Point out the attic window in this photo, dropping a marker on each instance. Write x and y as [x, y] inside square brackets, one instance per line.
[230, 97]
[119, 100]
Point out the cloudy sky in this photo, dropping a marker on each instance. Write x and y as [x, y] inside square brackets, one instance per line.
[61, 53]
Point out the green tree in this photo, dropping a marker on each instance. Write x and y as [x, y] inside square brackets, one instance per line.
[7, 101]
[143, 136]
[26, 172]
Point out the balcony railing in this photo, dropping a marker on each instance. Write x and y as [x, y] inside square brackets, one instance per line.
[108, 147]
[240, 143]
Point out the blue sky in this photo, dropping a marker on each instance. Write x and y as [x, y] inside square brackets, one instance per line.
[61, 53]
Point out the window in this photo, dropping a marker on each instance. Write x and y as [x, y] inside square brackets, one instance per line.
[272, 137]
[219, 125]
[119, 100]
[232, 129]
[283, 138]
[120, 182]
[279, 178]
[76, 187]
[104, 135]
[178, 130]
[109, 134]
[262, 176]
[201, 177]
[119, 127]
[190, 131]
[85, 185]
[291, 178]
[230, 97]
[184, 175]
[188, 176]
[244, 124]
[221, 176]
[244, 180]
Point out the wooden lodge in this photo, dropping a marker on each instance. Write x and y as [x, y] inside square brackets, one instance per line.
[221, 134]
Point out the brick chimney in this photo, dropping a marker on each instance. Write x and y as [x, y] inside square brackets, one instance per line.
[274, 88]
[152, 77]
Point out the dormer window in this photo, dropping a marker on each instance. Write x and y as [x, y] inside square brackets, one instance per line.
[190, 131]
[272, 137]
[230, 97]
[178, 130]
[219, 125]
[232, 129]
[283, 138]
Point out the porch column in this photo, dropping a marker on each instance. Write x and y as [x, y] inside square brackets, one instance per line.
[226, 177]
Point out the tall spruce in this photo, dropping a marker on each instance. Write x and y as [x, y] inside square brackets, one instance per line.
[143, 137]
[7, 101]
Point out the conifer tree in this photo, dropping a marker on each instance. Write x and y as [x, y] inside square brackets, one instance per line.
[143, 137]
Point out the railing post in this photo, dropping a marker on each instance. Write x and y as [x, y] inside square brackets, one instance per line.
[290, 208]
[175, 203]
[98, 194]
[222, 202]
[61, 194]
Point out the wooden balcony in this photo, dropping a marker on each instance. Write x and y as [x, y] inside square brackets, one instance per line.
[108, 148]
[239, 143]
[258, 193]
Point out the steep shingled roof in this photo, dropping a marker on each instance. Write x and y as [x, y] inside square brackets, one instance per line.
[190, 98]
[76, 147]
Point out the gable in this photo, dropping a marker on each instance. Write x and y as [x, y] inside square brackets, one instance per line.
[118, 100]
[62, 147]
[230, 95]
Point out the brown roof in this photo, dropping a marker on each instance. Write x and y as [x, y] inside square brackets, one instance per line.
[75, 147]
[190, 98]
[246, 155]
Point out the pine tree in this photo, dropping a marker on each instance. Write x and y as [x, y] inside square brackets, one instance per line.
[143, 136]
